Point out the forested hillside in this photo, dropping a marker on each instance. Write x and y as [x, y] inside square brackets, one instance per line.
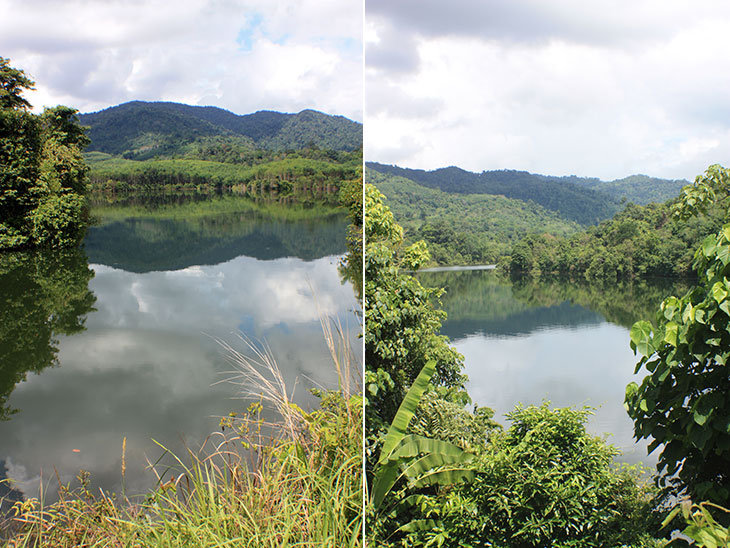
[464, 228]
[583, 200]
[141, 130]
[639, 242]
[142, 146]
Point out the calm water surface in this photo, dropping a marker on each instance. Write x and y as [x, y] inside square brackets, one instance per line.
[558, 342]
[118, 339]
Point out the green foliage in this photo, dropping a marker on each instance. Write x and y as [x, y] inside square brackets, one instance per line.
[286, 174]
[141, 131]
[464, 228]
[42, 172]
[546, 482]
[682, 402]
[558, 194]
[701, 526]
[351, 266]
[446, 420]
[639, 242]
[12, 84]
[710, 188]
[420, 461]
[402, 323]
[637, 189]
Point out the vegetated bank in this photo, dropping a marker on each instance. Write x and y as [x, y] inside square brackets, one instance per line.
[440, 474]
[299, 486]
[297, 482]
[142, 146]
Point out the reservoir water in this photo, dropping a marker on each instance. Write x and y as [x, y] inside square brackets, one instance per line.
[558, 342]
[118, 339]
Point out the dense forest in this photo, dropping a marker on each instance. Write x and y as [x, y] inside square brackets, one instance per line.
[468, 218]
[140, 130]
[639, 242]
[464, 228]
[142, 147]
[583, 200]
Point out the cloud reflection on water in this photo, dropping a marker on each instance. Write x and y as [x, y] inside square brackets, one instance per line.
[148, 367]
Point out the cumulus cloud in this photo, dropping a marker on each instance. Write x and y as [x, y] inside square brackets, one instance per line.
[242, 55]
[557, 88]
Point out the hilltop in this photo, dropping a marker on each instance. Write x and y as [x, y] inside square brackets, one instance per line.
[141, 130]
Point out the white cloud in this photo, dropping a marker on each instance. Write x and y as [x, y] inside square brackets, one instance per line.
[550, 88]
[91, 55]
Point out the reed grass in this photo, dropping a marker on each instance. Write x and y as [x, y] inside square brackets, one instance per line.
[293, 482]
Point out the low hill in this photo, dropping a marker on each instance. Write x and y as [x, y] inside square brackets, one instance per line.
[464, 228]
[143, 130]
[586, 201]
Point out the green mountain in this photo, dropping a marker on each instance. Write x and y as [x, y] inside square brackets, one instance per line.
[142, 130]
[586, 201]
[639, 189]
[465, 228]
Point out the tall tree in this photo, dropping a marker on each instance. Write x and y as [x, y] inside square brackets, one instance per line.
[42, 171]
[12, 83]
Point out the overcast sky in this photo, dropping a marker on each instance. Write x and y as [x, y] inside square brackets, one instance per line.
[605, 88]
[242, 55]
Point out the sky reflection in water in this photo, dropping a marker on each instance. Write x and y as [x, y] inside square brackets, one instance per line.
[148, 366]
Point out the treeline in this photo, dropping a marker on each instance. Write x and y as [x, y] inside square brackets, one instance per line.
[464, 228]
[289, 173]
[640, 241]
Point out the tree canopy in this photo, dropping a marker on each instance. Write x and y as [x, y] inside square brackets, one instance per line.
[42, 171]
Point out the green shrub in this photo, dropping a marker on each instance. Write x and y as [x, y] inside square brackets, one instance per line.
[547, 482]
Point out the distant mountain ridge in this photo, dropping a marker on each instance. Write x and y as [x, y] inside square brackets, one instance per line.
[583, 200]
[163, 127]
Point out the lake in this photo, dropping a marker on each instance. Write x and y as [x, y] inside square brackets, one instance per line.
[561, 342]
[118, 339]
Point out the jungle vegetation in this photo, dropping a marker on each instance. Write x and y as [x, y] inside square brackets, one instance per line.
[42, 171]
[440, 473]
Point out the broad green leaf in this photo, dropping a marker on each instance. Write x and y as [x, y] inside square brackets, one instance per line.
[445, 476]
[670, 333]
[641, 338]
[708, 245]
[723, 254]
[385, 477]
[406, 410]
[700, 418]
[413, 445]
[418, 468]
[718, 292]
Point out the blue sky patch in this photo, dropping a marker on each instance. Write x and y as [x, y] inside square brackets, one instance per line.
[245, 38]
